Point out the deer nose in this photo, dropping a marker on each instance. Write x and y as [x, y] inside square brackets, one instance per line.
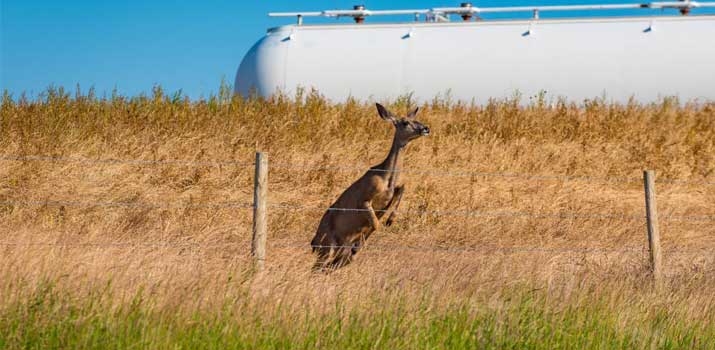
[425, 131]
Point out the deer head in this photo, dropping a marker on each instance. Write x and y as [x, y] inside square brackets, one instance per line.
[407, 128]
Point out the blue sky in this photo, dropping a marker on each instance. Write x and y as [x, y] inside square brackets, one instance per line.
[131, 45]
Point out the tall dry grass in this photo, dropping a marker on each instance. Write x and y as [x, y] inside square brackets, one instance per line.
[202, 262]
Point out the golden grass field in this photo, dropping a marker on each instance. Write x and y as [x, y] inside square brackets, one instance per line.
[181, 255]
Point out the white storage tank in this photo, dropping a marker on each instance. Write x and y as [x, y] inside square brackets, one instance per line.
[641, 57]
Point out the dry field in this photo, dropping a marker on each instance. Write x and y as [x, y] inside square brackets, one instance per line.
[475, 259]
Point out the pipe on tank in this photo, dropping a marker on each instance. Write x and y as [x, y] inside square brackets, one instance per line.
[359, 19]
[468, 15]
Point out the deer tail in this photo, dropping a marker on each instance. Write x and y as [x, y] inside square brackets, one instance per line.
[318, 241]
[322, 235]
[315, 243]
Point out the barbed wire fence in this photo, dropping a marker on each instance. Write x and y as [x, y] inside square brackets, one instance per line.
[305, 167]
[261, 206]
[296, 207]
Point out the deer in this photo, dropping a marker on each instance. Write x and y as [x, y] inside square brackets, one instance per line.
[358, 211]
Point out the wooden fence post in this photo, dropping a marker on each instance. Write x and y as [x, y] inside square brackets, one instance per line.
[652, 220]
[260, 226]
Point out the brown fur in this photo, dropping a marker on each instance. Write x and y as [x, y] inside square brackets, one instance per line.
[373, 196]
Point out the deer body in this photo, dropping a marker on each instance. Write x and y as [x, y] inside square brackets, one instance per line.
[357, 212]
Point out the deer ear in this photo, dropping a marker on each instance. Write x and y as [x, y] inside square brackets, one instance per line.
[413, 113]
[384, 113]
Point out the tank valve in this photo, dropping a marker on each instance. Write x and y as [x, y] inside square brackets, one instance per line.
[468, 15]
[685, 10]
[359, 18]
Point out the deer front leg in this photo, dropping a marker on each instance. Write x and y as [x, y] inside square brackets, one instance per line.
[374, 221]
[394, 204]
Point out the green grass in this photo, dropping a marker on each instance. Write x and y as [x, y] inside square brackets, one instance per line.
[521, 320]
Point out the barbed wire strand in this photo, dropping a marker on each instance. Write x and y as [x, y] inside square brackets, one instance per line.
[128, 244]
[245, 205]
[466, 249]
[293, 166]
[127, 161]
[435, 172]
[296, 166]
[467, 213]
[99, 244]
[471, 213]
[282, 206]
[687, 218]
[490, 248]
[127, 204]
[682, 182]
[306, 246]
[379, 247]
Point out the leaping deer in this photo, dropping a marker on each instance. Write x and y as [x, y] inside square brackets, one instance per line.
[356, 214]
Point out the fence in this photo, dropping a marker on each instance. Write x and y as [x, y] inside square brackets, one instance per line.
[261, 207]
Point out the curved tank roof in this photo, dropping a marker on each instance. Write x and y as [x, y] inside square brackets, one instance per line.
[641, 57]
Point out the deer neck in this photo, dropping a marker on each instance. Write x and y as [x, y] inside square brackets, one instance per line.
[392, 165]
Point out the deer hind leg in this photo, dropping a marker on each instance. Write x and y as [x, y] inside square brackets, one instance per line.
[322, 244]
[343, 257]
[394, 204]
[322, 261]
[357, 245]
